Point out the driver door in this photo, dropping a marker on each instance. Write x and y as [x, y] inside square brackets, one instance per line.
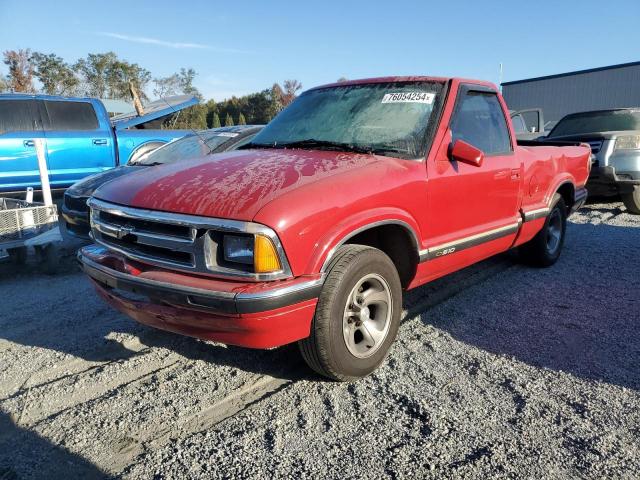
[473, 209]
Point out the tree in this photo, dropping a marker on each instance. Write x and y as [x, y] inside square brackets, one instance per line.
[178, 83]
[121, 73]
[4, 84]
[290, 88]
[260, 107]
[192, 118]
[256, 108]
[94, 71]
[241, 120]
[342, 79]
[166, 86]
[216, 121]
[20, 78]
[56, 76]
[104, 75]
[228, 121]
[186, 76]
[277, 94]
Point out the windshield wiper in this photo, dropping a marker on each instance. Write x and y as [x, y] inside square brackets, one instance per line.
[382, 150]
[326, 145]
[258, 145]
[150, 164]
[312, 143]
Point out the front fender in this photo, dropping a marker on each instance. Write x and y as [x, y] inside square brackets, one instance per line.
[358, 223]
[130, 141]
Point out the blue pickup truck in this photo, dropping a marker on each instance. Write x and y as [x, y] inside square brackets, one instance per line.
[80, 137]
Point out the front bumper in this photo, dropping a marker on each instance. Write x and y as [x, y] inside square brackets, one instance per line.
[606, 180]
[257, 315]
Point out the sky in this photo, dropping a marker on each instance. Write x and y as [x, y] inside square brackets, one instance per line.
[243, 47]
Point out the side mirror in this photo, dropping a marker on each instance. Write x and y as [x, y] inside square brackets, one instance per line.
[464, 152]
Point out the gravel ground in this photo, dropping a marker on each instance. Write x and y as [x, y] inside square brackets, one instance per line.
[499, 370]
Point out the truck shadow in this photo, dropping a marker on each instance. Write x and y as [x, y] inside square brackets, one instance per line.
[66, 256]
[72, 319]
[580, 316]
[25, 454]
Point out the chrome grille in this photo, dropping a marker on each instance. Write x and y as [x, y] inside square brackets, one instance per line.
[77, 204]
[144, 239]
[176, 241]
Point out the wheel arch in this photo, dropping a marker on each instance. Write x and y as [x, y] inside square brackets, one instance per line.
[567, 191]
[144, 148]
[395, 237]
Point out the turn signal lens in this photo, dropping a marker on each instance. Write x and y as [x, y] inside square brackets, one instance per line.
[265, 256]
[628, 142]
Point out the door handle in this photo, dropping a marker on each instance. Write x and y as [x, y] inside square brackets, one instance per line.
[99, 141]
[515, 174]
[29, 143]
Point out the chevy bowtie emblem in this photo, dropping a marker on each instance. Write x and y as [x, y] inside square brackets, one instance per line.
[123, 232]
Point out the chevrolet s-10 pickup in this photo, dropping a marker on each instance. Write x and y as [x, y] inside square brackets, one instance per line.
[310, 233]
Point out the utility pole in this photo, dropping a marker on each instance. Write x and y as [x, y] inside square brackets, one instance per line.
[500, 78]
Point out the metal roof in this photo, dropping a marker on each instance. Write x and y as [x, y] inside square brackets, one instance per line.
[577, 72]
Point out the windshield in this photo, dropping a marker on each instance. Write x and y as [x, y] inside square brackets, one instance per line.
[592, 122]
[386, 118]
[191, 146]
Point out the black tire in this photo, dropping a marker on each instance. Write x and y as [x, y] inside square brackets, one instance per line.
[49, 258]
[64, 231]
[326, 350]
[18, 255]
[541, 251]
[631, 200]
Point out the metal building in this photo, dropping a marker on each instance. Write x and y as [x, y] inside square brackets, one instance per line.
[594, 89]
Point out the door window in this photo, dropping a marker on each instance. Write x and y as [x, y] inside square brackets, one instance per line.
[518, 124]
[65, 116]
[532, 121]
[479, 121]
[18, 116]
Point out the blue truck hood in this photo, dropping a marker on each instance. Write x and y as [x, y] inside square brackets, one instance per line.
[154, 110]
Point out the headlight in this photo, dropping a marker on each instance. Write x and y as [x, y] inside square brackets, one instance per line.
[627, 142]
[256, 250]
[238, 249]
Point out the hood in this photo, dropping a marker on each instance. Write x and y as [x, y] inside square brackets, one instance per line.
[234, 185]
[86, 186]
[594, 135]
[154, 110]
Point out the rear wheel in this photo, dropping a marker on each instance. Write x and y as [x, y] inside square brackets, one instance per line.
[632, 200]
[544, 249]
[357, 315]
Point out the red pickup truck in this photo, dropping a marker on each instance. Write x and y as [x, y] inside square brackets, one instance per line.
[310, 233]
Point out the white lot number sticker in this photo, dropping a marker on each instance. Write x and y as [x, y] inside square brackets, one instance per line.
[227, 134]
[409, 97]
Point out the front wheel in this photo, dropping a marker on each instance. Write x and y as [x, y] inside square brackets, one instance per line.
[49, 257]
[632, 200]
[18, 255]
[357, 315]
[544, 249]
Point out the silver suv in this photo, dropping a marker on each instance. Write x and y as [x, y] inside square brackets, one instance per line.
[614, 136]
